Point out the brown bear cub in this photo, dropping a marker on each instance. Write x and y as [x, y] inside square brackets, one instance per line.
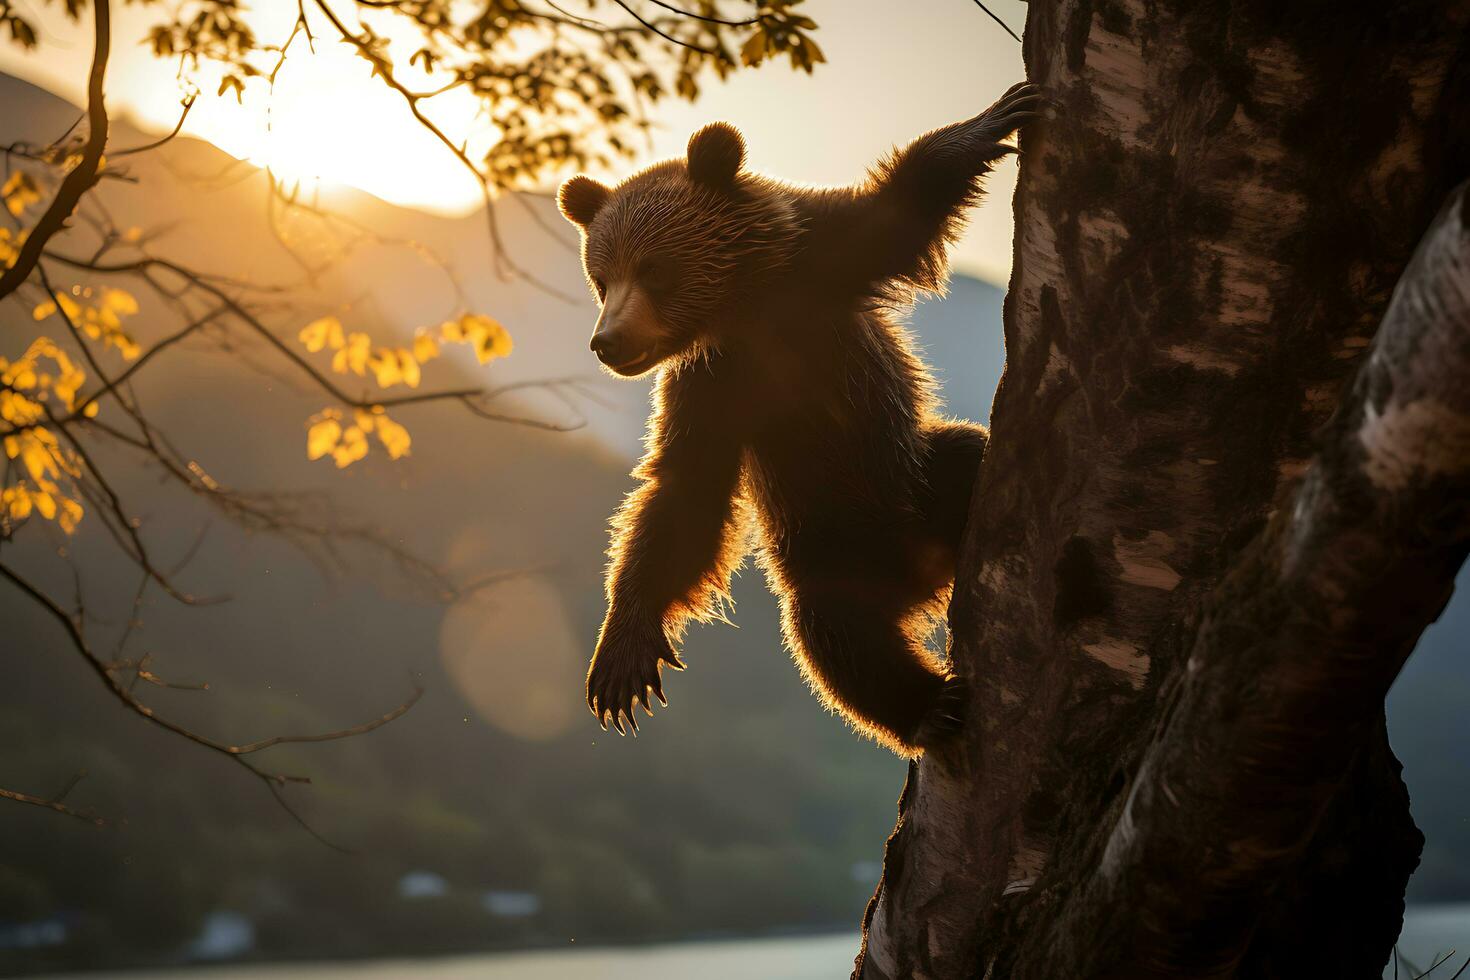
[786, 389]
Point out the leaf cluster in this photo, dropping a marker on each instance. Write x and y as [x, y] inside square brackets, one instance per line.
[354, 353]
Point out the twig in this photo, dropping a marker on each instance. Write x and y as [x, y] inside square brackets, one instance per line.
[385, 72]
[53, 804]
[705, 17]
[1002, 23]
[650, 25]
[188, 104]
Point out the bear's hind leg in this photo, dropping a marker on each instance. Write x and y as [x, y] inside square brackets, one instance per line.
[864, 661]
[950, 473]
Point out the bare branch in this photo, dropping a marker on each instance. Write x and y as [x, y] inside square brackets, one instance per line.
[53, 804]
[385, 72]
[362, 729]
[155, 144]
[650, 25]
[1004, 26]
[138, 551]
[235, 752]
[473, 399]
[705, 17]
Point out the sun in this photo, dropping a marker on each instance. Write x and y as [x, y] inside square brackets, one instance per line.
[326, 120]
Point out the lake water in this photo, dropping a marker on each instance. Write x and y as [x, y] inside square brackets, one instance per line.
[1429, 932]
[805, 958]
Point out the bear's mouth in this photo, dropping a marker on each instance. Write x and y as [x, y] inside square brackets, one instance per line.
[632, 365]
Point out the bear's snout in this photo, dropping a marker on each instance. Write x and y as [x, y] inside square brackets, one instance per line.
[627, 334]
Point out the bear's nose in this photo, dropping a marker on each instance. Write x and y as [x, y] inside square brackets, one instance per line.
[609, 347]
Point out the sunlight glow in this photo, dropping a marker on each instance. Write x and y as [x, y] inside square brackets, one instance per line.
[513, 656]
[329, 120]
[326, 120]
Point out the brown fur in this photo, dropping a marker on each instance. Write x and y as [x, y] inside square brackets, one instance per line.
[787, 390]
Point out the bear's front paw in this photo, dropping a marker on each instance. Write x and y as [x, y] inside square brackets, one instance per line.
[1020, 105]
[946, 716]
[627, 670]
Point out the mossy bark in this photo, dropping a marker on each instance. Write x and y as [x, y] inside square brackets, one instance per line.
[1183, 595]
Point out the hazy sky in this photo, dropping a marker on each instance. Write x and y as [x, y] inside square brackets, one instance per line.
[895, 69]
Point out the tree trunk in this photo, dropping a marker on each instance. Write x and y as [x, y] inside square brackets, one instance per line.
[1200, 551]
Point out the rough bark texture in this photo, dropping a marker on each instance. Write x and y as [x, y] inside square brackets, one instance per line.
[1184, 592]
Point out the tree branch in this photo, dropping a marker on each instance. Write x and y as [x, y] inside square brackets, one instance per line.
[228, 303]
[84, 176]
[705, 17]
[52, 804]
[384, 70]
[650, 25]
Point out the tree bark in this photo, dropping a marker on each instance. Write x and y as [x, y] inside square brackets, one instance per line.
[1184, 591]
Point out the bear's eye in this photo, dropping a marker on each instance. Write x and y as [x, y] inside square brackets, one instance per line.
[658, 275]
[601, 288]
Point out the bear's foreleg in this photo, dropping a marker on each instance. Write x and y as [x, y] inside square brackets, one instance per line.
[918, 197]
[675, 543]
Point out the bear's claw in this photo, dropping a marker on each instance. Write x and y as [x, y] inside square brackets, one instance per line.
[627, 673]
[1021, 104]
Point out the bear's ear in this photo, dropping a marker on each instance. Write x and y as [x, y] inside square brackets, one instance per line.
[716, 154]
[581, 198]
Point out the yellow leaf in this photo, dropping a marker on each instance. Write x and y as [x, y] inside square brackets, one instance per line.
[363, 420]
[70, 516]
[120, 302]
[18, 503]
[43, 310]
[408, 368]
[322, 438]
[490, 339]
[354, 355]
[20, 192]
[354, 446]
[384, 363]
[322, 333]
[425, 347]
[45, 503]
[394, 437]
[38, 460]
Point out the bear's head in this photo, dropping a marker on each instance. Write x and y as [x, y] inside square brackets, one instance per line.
[674, 252]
